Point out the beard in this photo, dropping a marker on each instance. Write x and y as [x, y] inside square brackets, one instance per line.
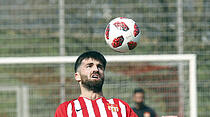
[92, 85]
[141, 105]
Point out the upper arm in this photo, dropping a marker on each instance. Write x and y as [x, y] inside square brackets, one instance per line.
[61, 111]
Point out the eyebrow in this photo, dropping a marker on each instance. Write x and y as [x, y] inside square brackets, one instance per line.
[97, 64]
[89, 64]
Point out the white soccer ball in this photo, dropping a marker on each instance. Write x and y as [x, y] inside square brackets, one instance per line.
[122, 34]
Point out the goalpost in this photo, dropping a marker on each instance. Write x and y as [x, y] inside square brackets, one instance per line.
[190, 58]
[21, 95]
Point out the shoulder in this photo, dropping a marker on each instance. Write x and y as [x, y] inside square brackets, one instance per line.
[150, 109]
[121, 101]
[65, 104]
[62, 109]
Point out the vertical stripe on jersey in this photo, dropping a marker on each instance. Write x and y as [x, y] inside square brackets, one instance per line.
[69, 110]
[74, 114]
[89, 107]
[123, 109]
[77, 107]
[119, 112]
[108, 112]
[83, 107]
[96, 109]
[101, 107]
[114, 114]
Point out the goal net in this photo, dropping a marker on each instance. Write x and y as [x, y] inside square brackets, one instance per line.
[14, 101]
[50, 81]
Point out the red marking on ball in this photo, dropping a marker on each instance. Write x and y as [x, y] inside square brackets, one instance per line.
[136, 30]
[123, 18]
[131, 45]
[121, 26]
[107, 31]
[117, 41]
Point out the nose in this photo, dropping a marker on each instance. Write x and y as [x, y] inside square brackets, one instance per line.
[95, 68]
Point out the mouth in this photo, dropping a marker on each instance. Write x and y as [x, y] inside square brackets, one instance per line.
[95, 76]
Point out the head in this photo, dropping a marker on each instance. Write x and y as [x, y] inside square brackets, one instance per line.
[89, 70]
[138, 96]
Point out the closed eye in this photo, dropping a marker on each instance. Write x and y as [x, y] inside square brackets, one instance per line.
[100, 67]
[89, 65]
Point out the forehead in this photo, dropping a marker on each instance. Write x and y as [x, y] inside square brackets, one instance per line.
[139, 94]
[90, 60]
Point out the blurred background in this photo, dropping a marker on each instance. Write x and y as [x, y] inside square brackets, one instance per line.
[37, 28]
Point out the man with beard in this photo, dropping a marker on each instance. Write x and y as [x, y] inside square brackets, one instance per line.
[140, 108]
[89, 73]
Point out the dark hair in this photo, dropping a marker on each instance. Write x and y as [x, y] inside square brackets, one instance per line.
[138, 90]
[90, 54]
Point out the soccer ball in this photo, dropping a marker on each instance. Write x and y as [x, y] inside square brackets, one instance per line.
[122, 34]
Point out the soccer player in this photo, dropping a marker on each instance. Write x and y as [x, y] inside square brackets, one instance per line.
[140, 108]
[89, 73]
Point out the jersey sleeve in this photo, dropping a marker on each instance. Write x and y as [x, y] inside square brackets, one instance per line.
[129, 110]
[61, 111]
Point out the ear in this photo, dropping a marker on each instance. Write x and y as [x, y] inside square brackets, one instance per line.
[77, 76]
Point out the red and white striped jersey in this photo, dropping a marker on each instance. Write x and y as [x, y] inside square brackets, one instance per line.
[101, 107]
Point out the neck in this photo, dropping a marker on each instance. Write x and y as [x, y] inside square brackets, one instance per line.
[90, 94]
[139, 106]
